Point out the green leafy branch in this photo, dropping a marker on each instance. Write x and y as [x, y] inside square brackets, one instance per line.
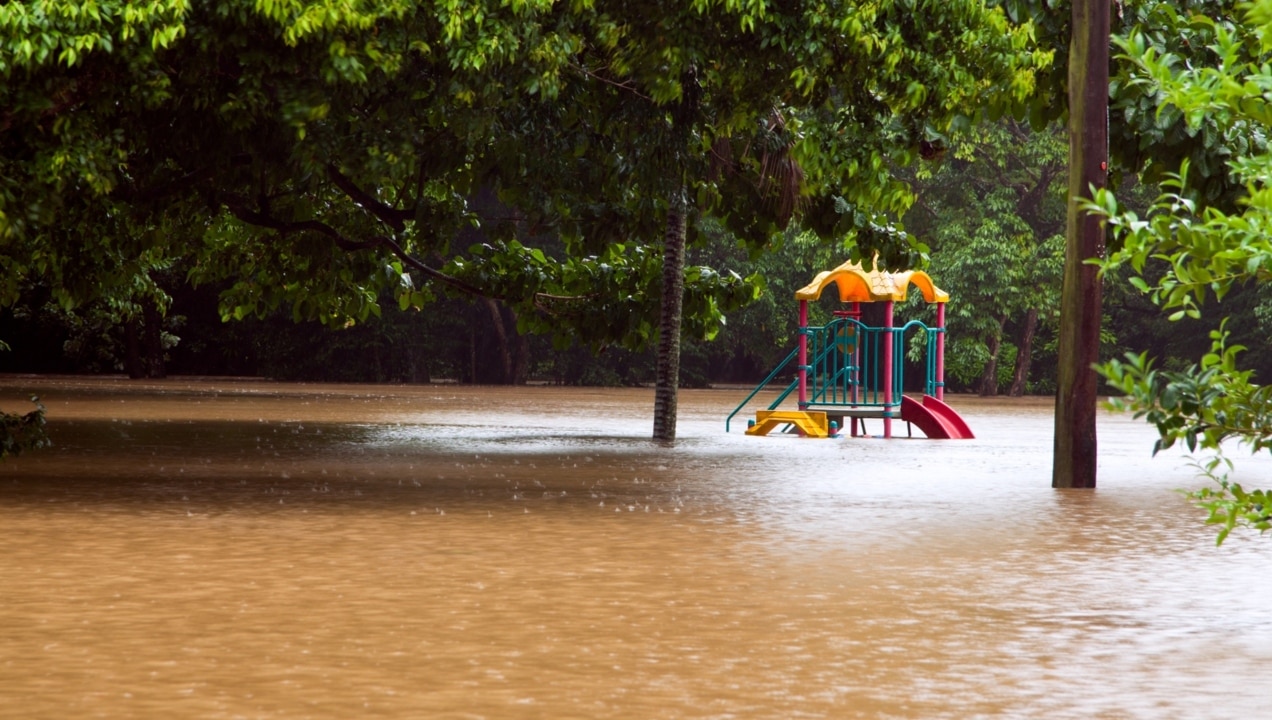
[1205, 250]
[1230, 505]
[1203, 406]
[23, 432]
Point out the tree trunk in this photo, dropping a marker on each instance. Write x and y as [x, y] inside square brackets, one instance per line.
[1024, 354]
[472, 354]
[521, 358]
[417, 364]
[1074, 462]
[501, 339]
[989, 378]
[132, 342]
[667, 377]
[152, 328]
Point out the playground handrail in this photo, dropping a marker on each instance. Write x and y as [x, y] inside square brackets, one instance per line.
[763, 384]
[933, 383]
[861, 369]
[898, 358]
[819, 391]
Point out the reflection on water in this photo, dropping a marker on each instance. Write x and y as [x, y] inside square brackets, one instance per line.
[223, 550]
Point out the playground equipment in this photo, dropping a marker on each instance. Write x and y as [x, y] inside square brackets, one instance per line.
[849, 370]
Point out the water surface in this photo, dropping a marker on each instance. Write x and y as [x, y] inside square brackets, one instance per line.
[221, 549]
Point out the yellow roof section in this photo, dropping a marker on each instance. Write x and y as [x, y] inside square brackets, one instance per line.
[856, 284]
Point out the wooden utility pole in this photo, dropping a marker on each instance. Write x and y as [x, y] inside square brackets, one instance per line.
[1075, 458]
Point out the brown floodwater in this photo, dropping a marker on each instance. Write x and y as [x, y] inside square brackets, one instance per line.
[216, 549]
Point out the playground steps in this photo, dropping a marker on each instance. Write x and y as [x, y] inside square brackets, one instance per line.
[812, 424]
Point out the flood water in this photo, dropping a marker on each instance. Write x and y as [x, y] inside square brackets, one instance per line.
[213, 549]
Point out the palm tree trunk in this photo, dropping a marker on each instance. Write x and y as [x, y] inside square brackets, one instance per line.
[667, 377]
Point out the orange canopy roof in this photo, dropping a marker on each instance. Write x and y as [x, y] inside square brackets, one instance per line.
[856, 284]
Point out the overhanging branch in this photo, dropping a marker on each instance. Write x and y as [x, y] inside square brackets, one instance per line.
[167, 187]
[241, 210]
[620, 85]
[393, 217]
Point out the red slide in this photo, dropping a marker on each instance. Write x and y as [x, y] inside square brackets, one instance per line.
[936, 419]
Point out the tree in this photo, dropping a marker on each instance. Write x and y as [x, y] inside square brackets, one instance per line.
[755, 137]
[1207, 249]
[994, 211]
[23, 432]
[324, 153]
[315, 155]
[1080, 311]
[1148, 138]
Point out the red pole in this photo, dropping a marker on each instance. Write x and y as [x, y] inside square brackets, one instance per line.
[854, 312]
[859, 337]
[940, 351]
[887, 369]
[803, 354]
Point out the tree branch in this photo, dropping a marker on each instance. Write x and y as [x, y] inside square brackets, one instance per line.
[1019, 132]
[240, 209]
[416, 264]
[131, 192]
[391, 216]
[621, 86]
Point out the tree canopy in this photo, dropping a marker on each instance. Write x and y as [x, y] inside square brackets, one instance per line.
[993, 212]
[318, 154]
[1204, 249]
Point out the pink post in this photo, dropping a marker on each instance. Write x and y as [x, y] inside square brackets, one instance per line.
[855, 314]
[940, 351]
[887, 369]
[803, 354]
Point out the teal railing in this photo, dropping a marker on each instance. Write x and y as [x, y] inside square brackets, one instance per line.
[763, 384]
[845, 366]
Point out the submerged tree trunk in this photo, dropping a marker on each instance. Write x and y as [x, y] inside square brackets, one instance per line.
[667, 377]
[1074, 462]
[132, 340]
[501, 340]
[513, 348]
[1024, 354]
[152, 327]
[989, 378]
[521, 358]
[472, 354]
[417, 364]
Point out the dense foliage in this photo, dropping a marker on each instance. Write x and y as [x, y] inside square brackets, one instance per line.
[21, 433]
[994, 213]
[1205, 249]
[321, 157]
